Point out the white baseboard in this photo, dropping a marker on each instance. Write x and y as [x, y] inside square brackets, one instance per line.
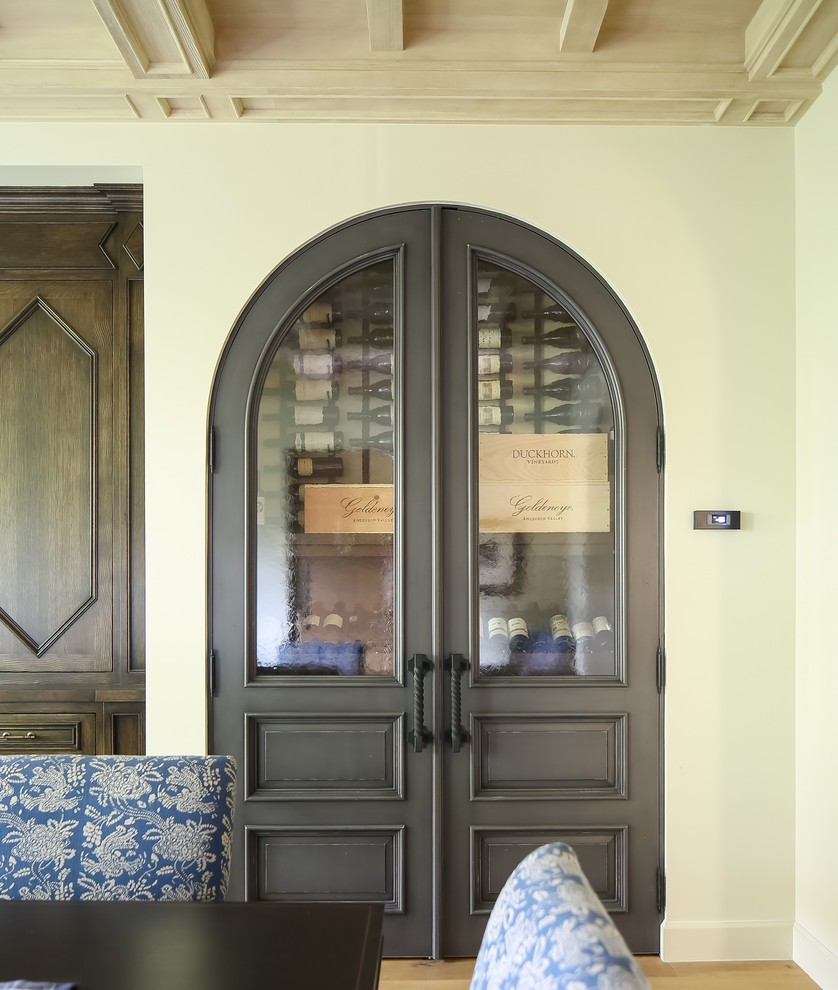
[815, 959]
[713, 941]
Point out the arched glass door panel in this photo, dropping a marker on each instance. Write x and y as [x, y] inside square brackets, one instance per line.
[544, 418]
[326, 418]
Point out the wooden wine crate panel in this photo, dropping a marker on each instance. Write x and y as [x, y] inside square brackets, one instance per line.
[348, 508]
[565, 507]
[544, 458]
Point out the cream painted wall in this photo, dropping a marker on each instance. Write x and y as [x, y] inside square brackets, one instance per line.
[816, 931]
[694, 229]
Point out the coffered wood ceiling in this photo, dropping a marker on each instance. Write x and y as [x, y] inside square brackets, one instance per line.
[723, 62]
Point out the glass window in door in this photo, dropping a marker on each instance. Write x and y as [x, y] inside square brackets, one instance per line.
[544, 419]
[324, 507]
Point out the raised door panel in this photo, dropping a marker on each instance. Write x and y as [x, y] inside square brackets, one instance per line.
[56, 444]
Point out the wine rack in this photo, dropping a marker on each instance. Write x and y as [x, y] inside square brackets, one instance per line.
[327, 417]
[549, 382]
[325, 411]
[543, 356]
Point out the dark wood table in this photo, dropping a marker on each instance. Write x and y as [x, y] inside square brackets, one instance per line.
[165, 945]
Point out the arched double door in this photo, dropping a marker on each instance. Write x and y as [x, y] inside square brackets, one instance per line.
[435, 578]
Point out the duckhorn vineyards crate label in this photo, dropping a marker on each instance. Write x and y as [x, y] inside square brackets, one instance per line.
[545, 458]
[539, 507]
[348, 509]
[544, 483]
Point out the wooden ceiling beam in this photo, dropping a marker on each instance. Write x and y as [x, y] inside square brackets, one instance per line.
[386, 25]
[581, 25]
[773, 30]
[173, 39]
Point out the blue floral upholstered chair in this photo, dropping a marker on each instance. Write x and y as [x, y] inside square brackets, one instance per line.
[111, 828]
[548, 930]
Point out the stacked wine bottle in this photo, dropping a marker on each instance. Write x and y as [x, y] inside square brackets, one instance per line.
[331, 640]
[516, 646]
[333, 377]
[544, 347]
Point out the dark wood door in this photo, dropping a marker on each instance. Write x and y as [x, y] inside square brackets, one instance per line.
[552, 602]
[334, 797]
[422, 683]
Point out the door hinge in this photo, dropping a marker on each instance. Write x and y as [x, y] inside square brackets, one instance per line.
[660, 668]
[211, 450]
[659, 449]
[211, 685]
[660, 890]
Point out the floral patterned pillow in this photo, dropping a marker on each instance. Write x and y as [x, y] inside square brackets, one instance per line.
[548, 930]
[113, 828]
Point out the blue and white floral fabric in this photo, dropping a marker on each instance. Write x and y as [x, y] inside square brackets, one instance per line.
[548, 930]
[113, 828]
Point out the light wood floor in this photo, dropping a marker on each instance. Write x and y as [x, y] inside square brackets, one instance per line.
[421, 974]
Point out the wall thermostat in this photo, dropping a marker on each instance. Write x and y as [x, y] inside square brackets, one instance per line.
[716, 519]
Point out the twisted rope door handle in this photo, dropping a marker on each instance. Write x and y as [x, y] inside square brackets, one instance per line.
[456, 664]
[419, 735]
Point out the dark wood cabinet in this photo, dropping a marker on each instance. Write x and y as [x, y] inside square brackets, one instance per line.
[71, 469]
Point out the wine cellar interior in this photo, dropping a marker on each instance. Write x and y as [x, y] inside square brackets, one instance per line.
[327, 416]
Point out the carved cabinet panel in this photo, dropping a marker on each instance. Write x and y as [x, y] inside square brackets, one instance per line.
[70, 463]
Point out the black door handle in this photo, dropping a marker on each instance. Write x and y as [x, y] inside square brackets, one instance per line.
[456, 664]
[419, 665]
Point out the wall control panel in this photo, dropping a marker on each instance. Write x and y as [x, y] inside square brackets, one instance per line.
[716, 519]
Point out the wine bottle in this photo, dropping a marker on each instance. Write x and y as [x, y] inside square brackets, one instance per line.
[603, 635]
[313, 415]
[318, 312]
[493, 313]
[493, 338]
[519, 635]
[495, 650]
[331, 629]
[383, 441]
[561, 632]
[569, 336]
[316, 364]
[497, 283]
[323, 311]
[381, 363]
[571, 414]
[311, 621]
[583, 634]
[553, 312]
[306, 468]
[377, 312]
[383, 415]
[380, 337]
[380, 390]
[322, 441]
[590, 387]
[492, 415]
[493, 364]
[493, 388]
[357, 623]
[566, 363]
[316, 389]
[319, 338]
